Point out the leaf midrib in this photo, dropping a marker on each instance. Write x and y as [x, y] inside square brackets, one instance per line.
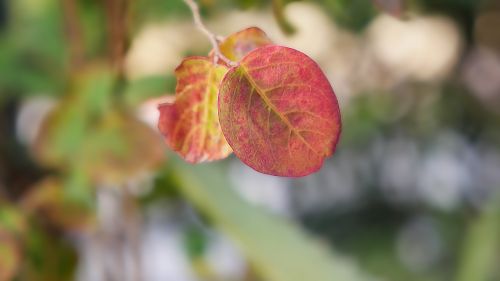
[273, 108]
[204, 105]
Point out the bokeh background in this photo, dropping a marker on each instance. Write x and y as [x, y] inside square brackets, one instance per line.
[89, 191]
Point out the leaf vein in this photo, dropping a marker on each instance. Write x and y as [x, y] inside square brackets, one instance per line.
[275, 110]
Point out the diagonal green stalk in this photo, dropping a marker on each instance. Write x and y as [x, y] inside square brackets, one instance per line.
[481, 244]
[279, 250]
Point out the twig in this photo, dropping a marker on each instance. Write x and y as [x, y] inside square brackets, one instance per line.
[73, 32]
[212, 37]
[116, 25]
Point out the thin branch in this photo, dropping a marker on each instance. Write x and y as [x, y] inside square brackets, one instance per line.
[116, 24]
[73, 30]
[212, 37]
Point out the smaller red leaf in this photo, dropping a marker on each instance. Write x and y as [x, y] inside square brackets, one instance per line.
[238, 44]
[190, 124]
[278, 112]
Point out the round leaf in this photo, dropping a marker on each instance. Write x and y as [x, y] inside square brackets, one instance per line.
[279, 113]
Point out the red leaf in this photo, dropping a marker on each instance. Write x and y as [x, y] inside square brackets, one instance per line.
[190, 124]
[279, 113]
[238, 44]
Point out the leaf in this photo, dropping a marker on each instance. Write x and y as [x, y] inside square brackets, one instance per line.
[191, 124]
[237, 45]
[10, 255]
[279, 113]
[277, 248]
[65, 129]
[120, 147]
[48, 201]
[88, 131]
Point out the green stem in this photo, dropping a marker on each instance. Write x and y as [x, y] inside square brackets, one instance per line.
[276, 247]
[481, 244]
[279, 15]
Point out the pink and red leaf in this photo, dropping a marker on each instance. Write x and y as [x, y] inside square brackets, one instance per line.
[279, 113]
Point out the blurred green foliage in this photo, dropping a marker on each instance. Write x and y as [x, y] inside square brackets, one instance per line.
[92, 140]
[275, 246]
